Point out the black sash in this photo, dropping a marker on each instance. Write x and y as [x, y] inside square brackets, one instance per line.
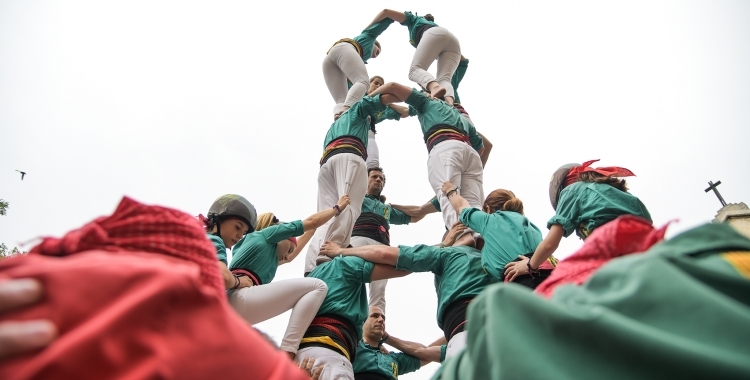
[373, 226]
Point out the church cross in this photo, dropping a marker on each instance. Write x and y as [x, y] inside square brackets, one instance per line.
[712, 186]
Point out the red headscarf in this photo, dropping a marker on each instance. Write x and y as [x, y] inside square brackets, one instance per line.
[293, 239]
[138, 227]
[617, 171]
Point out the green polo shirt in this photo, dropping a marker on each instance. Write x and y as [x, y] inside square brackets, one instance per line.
[347, 297]
[256, 252]
[506, 234]
[431, 112]
[458, 271]
[390, 114]
[593, 204]
[355, 122]
[374, 205]
[681, 310]
[413, 23]
[370, 359]
[368, 36]
[458, 75]
[221, 249]
[436, 203]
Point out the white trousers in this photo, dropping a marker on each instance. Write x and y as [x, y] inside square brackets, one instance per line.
[377, 288]
[335, 365]
[344, 62]
[436, 43]
[344, 173]
[455, 161]
[373, 153]
[456, 344]
[259, 303]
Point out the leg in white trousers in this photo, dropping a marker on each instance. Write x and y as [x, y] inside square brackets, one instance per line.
[377, 288]
[437, 43]
[456, 345]
[344, 62]
[302, 295]
[373, 153]
[335, 365]
[344, 173]
[455, 161]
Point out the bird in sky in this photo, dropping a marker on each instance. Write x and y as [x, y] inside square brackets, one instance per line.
[23, 174]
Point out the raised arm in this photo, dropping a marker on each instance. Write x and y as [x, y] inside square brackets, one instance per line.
[486, 149]
[320, 218]
[457, 201]
[301, 243]
[378, 254]
[543, 251]
[416, 212]
[423, 353]
[397, 16]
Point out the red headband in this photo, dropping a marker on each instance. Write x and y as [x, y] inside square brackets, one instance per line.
[616, 171]
[293, 239]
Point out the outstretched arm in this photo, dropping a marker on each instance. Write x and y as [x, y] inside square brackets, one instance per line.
[544, 250]
[416, 212]
[320, 218]
[385, 272]
[457, 201]
[403, 111]
[378, 254]
[398, 90]
[397, 16]
[486, 149]
[423, 353]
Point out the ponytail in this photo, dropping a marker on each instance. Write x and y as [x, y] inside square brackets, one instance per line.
[503, 200]
[266, 220]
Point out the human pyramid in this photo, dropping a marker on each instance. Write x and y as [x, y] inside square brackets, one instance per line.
[333, 327]
[137, 294]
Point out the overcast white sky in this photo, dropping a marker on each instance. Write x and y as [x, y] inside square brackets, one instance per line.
[176, 103]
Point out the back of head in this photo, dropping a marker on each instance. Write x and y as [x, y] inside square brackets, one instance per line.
[429, 17]
[266, 220]
[616, 182]
[502, 200]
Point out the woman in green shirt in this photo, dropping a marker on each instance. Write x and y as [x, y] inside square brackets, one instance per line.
[432, 43]
[345, 62]
[584, 198]
[506, 232]
[258, 255]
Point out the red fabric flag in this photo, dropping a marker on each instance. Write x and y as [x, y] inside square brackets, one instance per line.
[625, 235]
[137, 295]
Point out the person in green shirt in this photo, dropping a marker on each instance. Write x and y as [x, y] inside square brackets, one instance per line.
[345, 61]
[230, 217]
[373, 362]
[432, 43]
[373, 225]
[332, 336]
[343, 171]
[456, 264]
[453, 147]
[506, 232]
[258, 255]
[584, 198]
[680, 310]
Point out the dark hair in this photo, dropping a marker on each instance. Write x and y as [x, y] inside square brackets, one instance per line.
[378, 44]
[616, 182]
[429, 17]
[504, 200]
[377, 77]
[377, 169]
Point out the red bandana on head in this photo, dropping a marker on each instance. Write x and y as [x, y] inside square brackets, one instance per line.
[616, 171]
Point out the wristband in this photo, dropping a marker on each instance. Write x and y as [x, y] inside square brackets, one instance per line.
[237, 285]
[337, 208]
[448, 194]
[531, 271]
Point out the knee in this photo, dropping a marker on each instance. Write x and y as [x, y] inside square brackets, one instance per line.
[319, 286]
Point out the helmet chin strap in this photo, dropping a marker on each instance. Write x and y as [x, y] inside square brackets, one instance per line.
[215, 219]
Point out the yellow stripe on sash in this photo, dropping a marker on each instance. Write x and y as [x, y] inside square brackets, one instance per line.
[740, 261]
[328, 342]
[349, 41]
